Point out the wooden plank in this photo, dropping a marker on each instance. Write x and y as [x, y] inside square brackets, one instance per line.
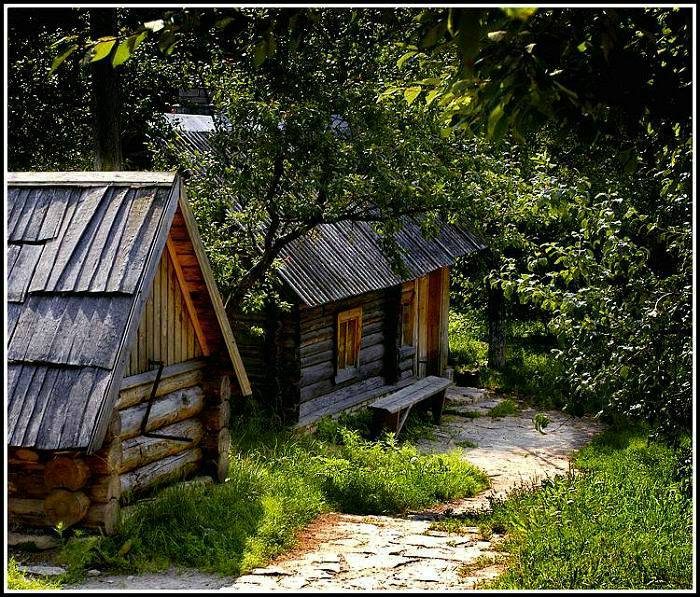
[217, 303]
[90, 178]
[180, 375]
[422, 389]
[171, 314]
[184, 287]
[141, 450]
[161, 471]
[143, 288]
[155, 295]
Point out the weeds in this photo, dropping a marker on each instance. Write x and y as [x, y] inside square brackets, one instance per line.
[17, 581]
[504, 408]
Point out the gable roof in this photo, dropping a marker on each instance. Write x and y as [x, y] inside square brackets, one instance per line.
[344, 259]
[82, 251]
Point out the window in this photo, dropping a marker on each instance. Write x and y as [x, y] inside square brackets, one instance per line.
[349, 335]
[408, 314]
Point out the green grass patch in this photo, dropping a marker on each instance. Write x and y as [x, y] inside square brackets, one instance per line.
[621, 522]
[278, 482]
[18, 581]
[505, 408]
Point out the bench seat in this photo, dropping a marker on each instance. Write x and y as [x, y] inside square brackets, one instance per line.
[391, 411]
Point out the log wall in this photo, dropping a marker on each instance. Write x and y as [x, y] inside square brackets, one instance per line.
[190, 415]
[318, 391]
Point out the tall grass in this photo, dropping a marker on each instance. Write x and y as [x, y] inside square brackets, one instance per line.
[278, 482]
[621, 522]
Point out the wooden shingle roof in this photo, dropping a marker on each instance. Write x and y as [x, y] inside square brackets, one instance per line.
[339, 260]
[82, 251]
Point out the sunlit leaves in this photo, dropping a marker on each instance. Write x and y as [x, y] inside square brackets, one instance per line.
[62, 57]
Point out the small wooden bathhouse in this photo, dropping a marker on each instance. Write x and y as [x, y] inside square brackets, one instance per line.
[120, 358]
[357, 330]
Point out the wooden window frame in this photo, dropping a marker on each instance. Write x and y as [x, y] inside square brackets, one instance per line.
[346, 318]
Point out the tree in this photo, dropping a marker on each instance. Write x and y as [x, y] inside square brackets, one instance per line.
[105, 95]
[301, 142]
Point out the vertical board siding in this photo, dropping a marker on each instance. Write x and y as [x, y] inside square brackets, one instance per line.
[166, 332]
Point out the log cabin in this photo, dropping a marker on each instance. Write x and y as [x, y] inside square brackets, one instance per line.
[121, 361]
[357, 330]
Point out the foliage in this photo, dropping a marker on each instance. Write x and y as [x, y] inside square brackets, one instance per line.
[277, 483]
[602, 72]
[620, 523]
[17, 581]
[465, 347]
[49, 113]
[300, 142]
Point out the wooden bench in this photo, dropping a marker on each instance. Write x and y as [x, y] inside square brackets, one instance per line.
[391, 411]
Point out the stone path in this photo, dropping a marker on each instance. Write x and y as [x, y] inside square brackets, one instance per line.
[342, 552]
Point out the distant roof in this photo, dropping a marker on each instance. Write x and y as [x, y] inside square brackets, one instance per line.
[336, 261]
[82, 250]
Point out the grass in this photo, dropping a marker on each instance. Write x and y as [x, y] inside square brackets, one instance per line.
[278, 483]
[620, 522]
[531, 371]
[505, 408]
[17, 581]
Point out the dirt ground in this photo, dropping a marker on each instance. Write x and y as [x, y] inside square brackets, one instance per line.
[343, 552]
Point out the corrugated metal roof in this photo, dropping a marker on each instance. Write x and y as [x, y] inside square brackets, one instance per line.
[79, 249]
[344, 259]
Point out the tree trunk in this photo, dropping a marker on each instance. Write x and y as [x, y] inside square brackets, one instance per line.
[497, 333]
[105, 96]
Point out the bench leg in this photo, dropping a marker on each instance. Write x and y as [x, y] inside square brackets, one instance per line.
[437, 403]
[378, 419]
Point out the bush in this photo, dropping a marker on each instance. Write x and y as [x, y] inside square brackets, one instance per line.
[623, 522]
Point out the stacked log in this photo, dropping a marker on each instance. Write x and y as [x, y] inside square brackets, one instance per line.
[186, 431]
[215, 418]
[65, 489]
[167, 450]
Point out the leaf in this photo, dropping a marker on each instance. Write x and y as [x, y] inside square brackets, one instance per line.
[496, 35]
[582, 46]
[520, 13]
[167, 42]
[411, 93]
[430, 97]
[401, 61]
[135, 40]
[259, 52]
[494, 118]
[155, 26]
[102, 49]
[123, 52]
[60, 59]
